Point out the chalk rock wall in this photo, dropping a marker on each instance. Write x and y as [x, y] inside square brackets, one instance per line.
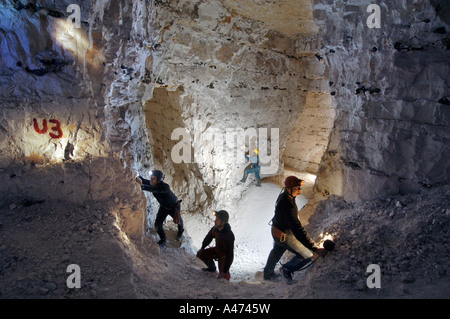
[85, 109]
[226, 66]
[390, 88]
[309, 137]
[55, 139]
[48, 109]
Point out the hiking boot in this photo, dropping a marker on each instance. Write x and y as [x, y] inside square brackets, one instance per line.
[272, 276]
[162, 243]
[180, 234]
[210, 266]
[287, 275]
[209, 269]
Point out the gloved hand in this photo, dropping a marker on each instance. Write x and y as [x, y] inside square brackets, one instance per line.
[139, 181]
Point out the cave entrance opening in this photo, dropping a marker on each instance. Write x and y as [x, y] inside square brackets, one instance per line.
[164, 116]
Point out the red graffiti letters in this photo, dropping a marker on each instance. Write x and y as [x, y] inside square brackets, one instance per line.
[36, 126]
[56, 128]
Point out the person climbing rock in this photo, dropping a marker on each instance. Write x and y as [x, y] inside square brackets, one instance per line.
[224, 249]
[289, 234]
[253, 167]
[168, 203]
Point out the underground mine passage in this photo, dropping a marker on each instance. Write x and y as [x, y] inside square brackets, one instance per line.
[353, 102]
[254, 206]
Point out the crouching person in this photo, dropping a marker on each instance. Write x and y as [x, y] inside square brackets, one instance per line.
[224, 249]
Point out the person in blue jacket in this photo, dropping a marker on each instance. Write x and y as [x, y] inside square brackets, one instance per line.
[168, 203]
[253, 167]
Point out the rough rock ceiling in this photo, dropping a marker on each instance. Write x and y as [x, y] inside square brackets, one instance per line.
[290, 17]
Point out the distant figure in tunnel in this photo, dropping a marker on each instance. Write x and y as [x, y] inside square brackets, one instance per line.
[168, 203]
[289, 234]
[253, 167]
[224, 249]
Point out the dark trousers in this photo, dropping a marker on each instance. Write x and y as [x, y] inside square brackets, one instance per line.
[208, 255]
[161, 217]
[279, 248]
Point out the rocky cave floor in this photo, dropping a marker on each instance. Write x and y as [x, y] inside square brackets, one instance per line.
[407, 236]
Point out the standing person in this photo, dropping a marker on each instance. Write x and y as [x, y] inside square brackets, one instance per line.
[224, 249]
[289, 234]
[168, 203]
[253, 168]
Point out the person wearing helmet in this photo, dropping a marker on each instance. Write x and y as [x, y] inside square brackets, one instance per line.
[224, 249]
[253, 167]
[168, 203]
[289, 234]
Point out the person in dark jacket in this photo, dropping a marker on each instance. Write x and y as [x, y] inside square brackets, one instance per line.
[224, 249]
[289, 234]
[168, 203]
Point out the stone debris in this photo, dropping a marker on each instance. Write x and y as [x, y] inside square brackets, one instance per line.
[40, 241]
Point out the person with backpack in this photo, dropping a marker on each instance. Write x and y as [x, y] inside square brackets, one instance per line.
[224, 249]
[168, 203]
[289, 234]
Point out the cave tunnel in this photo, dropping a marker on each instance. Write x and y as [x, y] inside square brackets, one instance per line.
[252, 206]
[352, 101]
